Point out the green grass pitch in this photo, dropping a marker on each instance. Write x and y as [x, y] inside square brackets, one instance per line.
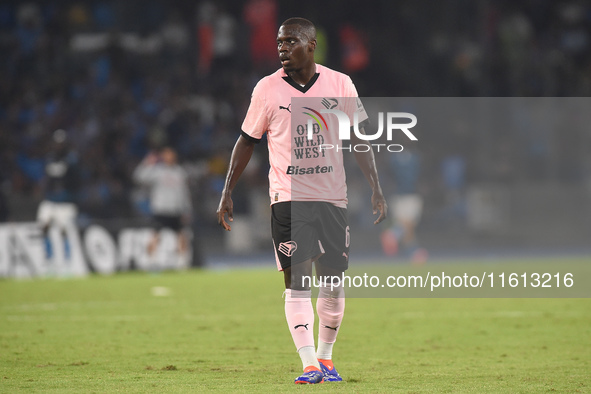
[225, 331]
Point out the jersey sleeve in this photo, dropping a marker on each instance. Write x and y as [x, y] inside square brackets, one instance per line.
[354, 104]
[256, 121]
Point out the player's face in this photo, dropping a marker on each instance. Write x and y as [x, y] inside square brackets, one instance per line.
[296, 51]
[168, 156]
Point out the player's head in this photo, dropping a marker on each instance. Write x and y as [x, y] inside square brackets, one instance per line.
[296, 42]
[168, 156]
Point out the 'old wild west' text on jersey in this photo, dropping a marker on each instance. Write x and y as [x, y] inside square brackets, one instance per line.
[300, 169]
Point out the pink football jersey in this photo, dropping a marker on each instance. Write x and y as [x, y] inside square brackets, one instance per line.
[303, 168]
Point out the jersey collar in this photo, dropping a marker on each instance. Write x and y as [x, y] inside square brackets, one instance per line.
[297, 86]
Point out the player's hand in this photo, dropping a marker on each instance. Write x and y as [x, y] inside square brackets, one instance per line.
[378, 203]
[226, 206]
[151, 158]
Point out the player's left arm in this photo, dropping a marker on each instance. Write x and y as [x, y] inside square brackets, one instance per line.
[367, 163]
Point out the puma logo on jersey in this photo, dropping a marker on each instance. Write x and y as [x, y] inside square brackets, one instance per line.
[288, 108]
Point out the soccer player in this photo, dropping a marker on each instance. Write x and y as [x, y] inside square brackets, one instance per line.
[61, 186]
[308, 200]
[170, 199]
[406, 207]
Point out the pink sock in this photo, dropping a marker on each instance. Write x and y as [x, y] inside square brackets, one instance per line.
[300, 317]
[330, 307]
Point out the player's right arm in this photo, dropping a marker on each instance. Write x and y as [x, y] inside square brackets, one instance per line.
[241, 155]
[254, 126]
[144, 174]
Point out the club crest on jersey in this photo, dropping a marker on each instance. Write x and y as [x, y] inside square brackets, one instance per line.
[288, 248]
[329, 103]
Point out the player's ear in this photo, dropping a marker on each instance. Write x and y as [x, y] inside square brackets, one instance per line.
[312, 45]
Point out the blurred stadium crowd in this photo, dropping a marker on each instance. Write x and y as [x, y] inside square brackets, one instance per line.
[124, 78]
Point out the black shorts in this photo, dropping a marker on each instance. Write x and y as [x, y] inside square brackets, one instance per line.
[303, 230]
[172, 222]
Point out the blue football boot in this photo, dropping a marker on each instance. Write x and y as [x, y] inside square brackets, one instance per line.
[311, 375]
[330, 372]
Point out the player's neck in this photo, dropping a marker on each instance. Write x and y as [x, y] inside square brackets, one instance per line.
[303, 75]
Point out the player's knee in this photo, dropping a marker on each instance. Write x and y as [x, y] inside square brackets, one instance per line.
[299, 281]
[287, 277]
[329, 276]
[299, 276]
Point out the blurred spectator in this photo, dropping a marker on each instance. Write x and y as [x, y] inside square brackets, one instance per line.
[355, 54]
[205, 27]
[224, 44]
[175, 34]
[261, 17]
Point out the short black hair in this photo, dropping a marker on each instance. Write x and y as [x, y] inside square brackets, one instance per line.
[306, 27]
